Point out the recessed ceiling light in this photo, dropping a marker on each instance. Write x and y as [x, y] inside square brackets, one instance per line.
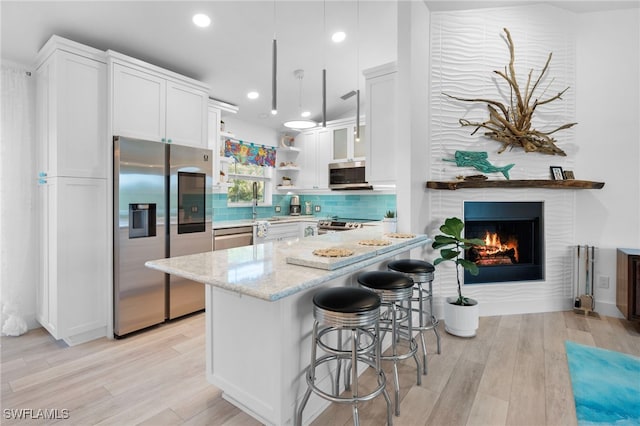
[253, 95]
[201, 20]
[338, 37]
[305, 114]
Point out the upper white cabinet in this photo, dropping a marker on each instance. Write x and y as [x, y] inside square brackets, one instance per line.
[150, 103]
[380, 137]
[71, 91]
[345, 145]
[314, 158]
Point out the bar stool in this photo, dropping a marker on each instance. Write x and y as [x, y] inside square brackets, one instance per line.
[356, 310]
[394, 289]
[421, 273]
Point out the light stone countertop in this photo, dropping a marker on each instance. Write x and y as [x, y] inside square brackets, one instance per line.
[262, 270]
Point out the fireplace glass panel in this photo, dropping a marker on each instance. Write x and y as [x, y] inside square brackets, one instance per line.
[513, 236]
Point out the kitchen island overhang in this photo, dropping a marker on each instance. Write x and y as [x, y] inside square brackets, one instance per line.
[259, 315]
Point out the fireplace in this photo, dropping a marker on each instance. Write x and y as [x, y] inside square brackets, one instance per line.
[514, 241]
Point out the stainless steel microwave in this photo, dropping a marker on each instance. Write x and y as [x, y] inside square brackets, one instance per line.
[348, 175]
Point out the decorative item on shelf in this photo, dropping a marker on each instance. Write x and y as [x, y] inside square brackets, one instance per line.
[556, 173]
[568, 175]
[472, 178]
[478, 160]
[221, 126]
[389, 222]
[461, 314]
[511, 124]
[289, 164]
[287, 141]
[286, 181]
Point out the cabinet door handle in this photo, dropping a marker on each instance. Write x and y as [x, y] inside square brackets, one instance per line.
[168, 140]
[42, 181]
[42, 174]
[163, 140]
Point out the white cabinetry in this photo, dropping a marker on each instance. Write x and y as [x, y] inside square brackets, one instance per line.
[150, 103]
[75, 256]
[381, 128]
[75, 269]
[71, 107]
[314, 158]
[283, 231]
[345, 146]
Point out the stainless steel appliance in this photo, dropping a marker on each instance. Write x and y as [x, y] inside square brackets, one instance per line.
[339, 225]
[226, 238]
[294, 205]
[348, 175]
[160, 210]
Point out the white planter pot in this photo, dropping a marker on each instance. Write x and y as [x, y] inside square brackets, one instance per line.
[461, 320]
[389, 225]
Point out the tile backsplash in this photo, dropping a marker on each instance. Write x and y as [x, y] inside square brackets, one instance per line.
[360, 206]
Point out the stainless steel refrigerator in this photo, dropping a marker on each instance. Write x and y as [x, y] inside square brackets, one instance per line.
[160, 210]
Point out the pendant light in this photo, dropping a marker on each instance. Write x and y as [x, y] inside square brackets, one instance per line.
[324, 61]
[357, 71]
[300, 124]
[274, 66]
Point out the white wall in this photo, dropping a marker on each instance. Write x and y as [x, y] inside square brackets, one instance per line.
[597, 55]
[608, 139]
[249, 132]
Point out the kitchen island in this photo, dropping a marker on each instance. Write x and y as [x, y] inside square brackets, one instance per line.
[259, 313]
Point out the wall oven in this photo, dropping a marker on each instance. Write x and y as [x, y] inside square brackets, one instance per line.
[348, 175]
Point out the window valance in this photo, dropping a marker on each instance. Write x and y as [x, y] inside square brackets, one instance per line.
[250, 153]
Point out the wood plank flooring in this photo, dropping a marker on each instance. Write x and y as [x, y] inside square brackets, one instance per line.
[514, 372]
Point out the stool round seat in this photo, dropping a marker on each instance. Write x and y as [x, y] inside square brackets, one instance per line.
[346, 307]
[391, 286]
[423, 271]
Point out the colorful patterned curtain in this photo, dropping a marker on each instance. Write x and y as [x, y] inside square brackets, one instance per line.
[250, 153]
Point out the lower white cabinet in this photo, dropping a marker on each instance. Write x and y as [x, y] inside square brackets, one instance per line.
[75, 275]
[283, 231]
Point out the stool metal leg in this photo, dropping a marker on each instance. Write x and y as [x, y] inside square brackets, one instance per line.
[311, 373]
[421, 323]
[354, 375]
[336, 384]
[434, 320]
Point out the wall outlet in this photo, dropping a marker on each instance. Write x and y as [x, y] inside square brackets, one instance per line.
[278, 209]
[316, 208]
[603, 281]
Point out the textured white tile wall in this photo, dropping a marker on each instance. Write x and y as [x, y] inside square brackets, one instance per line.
[466, 47]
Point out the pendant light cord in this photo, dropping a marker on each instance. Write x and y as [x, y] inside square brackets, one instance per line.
[357, 70]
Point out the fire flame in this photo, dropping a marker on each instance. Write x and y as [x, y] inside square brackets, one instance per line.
[493, 245]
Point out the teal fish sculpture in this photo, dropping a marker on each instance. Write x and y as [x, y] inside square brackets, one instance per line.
[478, 160]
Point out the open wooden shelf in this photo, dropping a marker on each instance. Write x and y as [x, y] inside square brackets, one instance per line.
[522, 183]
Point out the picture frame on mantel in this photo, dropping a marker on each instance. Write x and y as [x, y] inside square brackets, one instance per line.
[556, 173]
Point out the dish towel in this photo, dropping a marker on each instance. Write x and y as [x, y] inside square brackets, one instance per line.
[262, 228]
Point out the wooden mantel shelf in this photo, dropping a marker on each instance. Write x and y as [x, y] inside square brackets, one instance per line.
[523, 183]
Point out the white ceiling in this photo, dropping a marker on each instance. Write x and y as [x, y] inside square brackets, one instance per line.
[233, 55]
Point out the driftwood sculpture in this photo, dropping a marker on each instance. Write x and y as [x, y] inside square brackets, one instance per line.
[511, 125]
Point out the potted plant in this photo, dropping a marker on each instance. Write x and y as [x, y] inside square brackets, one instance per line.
[389, 222]
[460, 313]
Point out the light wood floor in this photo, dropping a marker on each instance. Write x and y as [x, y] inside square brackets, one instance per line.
[513, 373]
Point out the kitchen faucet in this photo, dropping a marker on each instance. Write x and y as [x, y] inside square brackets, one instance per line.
[254, 204]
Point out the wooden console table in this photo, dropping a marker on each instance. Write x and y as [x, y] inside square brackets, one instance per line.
[628, 283]
[521, 183]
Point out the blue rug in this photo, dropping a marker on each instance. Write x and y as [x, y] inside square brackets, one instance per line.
[606, 385]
